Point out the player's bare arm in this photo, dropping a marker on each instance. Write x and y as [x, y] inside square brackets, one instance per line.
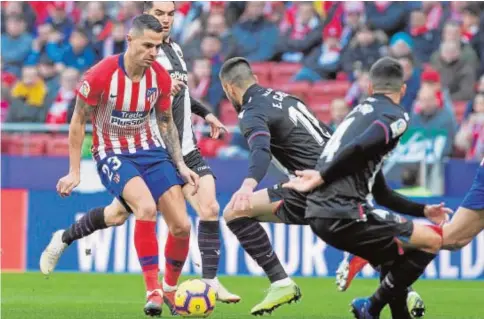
[169, 134]
[77, 131]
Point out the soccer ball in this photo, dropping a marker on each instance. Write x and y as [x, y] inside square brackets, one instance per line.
[194, 298]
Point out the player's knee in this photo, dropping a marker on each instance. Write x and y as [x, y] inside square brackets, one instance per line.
[146, 211]
[181, 229]
[209, 211]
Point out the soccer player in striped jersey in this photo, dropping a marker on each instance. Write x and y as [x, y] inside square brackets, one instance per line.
[135, 156]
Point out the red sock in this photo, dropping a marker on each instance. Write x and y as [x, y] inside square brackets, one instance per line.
[176, 252]
[146, 245]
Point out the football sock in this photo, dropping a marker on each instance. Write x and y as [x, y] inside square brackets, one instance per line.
[176, 252]
[255, 241]
[404, 272]
[146, 244]
[209, 244]
[86, 225]
[398, 305]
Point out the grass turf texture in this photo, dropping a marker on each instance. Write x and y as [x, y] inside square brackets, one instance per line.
[83, 296]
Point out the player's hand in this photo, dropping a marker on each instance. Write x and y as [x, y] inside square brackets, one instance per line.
[176, 87]
[305, 181]
[216, 127]
[437, 214]
[242, 199]
[66, 184]
[190, 177]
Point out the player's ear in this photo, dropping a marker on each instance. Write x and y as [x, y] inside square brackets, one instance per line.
[256, 78]
[370, 89]
[403, 90]
[129, 37]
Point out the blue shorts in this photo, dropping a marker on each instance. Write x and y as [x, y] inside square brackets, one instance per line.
[154, 166]
[475, 197]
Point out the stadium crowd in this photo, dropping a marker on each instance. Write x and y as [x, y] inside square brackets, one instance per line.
[320, 51]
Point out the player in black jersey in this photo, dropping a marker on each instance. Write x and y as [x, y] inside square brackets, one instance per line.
[347, 178]
[278, 126]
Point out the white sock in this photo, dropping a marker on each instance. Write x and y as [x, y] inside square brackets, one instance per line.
[282, 283]
[167, 287]
[214, 283]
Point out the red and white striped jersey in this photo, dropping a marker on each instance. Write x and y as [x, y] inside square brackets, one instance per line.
[121, 118]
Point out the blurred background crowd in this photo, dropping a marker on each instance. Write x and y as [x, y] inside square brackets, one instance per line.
[320, 51]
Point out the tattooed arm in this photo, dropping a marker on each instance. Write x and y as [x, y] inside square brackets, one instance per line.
[77, 131]
[169, 134]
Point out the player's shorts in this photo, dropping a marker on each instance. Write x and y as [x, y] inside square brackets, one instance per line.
[293, 206]
[195, 161]
[374, 239]
[475, 197]
[154, 166]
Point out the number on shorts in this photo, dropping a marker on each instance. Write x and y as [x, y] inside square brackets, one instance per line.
[115, 164]
[335, 142]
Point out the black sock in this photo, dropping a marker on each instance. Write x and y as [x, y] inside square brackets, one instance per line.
[88, 224]
[398, 305]
[209, 244]
[404, 272]
[254, 240]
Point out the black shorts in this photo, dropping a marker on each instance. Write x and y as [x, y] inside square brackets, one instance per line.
[195, 161]
[373, 239]
[293, 206]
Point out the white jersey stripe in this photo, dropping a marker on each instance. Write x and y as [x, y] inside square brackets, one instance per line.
[114, 92]
[187, 139]
[155, 132]
[141, 108]
[128, 91]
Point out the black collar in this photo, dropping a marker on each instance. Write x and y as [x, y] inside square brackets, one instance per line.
[254, 88]
[383, 96]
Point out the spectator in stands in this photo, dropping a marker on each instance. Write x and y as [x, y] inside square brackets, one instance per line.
[359, 89]
[28, 97]
[200, 78]
[431, 79]
[353, 19]
[470, 104]
[21, 9]
[470, 137]
[470, 22]
[97, 25]
[364, 50]
[401, 43]
[411, 75]
[256, 38]
[58, 109]
[59, 19]
[79, 54]
[48, 73]
[455, 10]
[429, 115]
[39, 44]
[339, 110]
[211, 49]
[16, 45]
[128, 11]
[425, 41]
[114, 44]
[388, 16]
[303, 36]
[452, 32]
[324, 61]
[435, 14]
[457, 74]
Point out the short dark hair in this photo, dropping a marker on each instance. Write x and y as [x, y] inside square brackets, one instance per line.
[386, 75]
[236, 71]
[146, 22]
[148, 5]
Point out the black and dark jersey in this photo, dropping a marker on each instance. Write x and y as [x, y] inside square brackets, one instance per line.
[170, 57]
[279, 126]
[350, 195]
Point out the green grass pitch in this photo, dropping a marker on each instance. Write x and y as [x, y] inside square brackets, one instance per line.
[85, 296]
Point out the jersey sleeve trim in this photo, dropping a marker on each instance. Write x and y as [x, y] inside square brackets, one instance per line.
[385, 129]
[255, 134]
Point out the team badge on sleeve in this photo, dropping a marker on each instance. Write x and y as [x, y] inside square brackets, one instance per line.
[85, 89]
[398, 127]
[151, 94]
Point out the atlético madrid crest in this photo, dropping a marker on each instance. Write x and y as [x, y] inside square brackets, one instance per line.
[151, 94]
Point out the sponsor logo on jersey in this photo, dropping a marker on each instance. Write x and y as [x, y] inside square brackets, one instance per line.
[85, 89]
[179, 76]
[152, 94]
[398, 127]
[123, 118]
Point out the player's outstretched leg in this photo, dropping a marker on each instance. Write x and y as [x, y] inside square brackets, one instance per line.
[253, 238]
[207, 207]
[96, 219]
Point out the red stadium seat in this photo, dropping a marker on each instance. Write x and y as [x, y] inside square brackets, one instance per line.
[459, 110]
[5, 142]
[283, 72]
[263, 72]
[333, 88]
[323, 114]
[298, 89]
[28, 144]
[228, 115]
[58, 146]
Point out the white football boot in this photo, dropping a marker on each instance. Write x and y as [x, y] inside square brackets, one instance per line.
[50, 256]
